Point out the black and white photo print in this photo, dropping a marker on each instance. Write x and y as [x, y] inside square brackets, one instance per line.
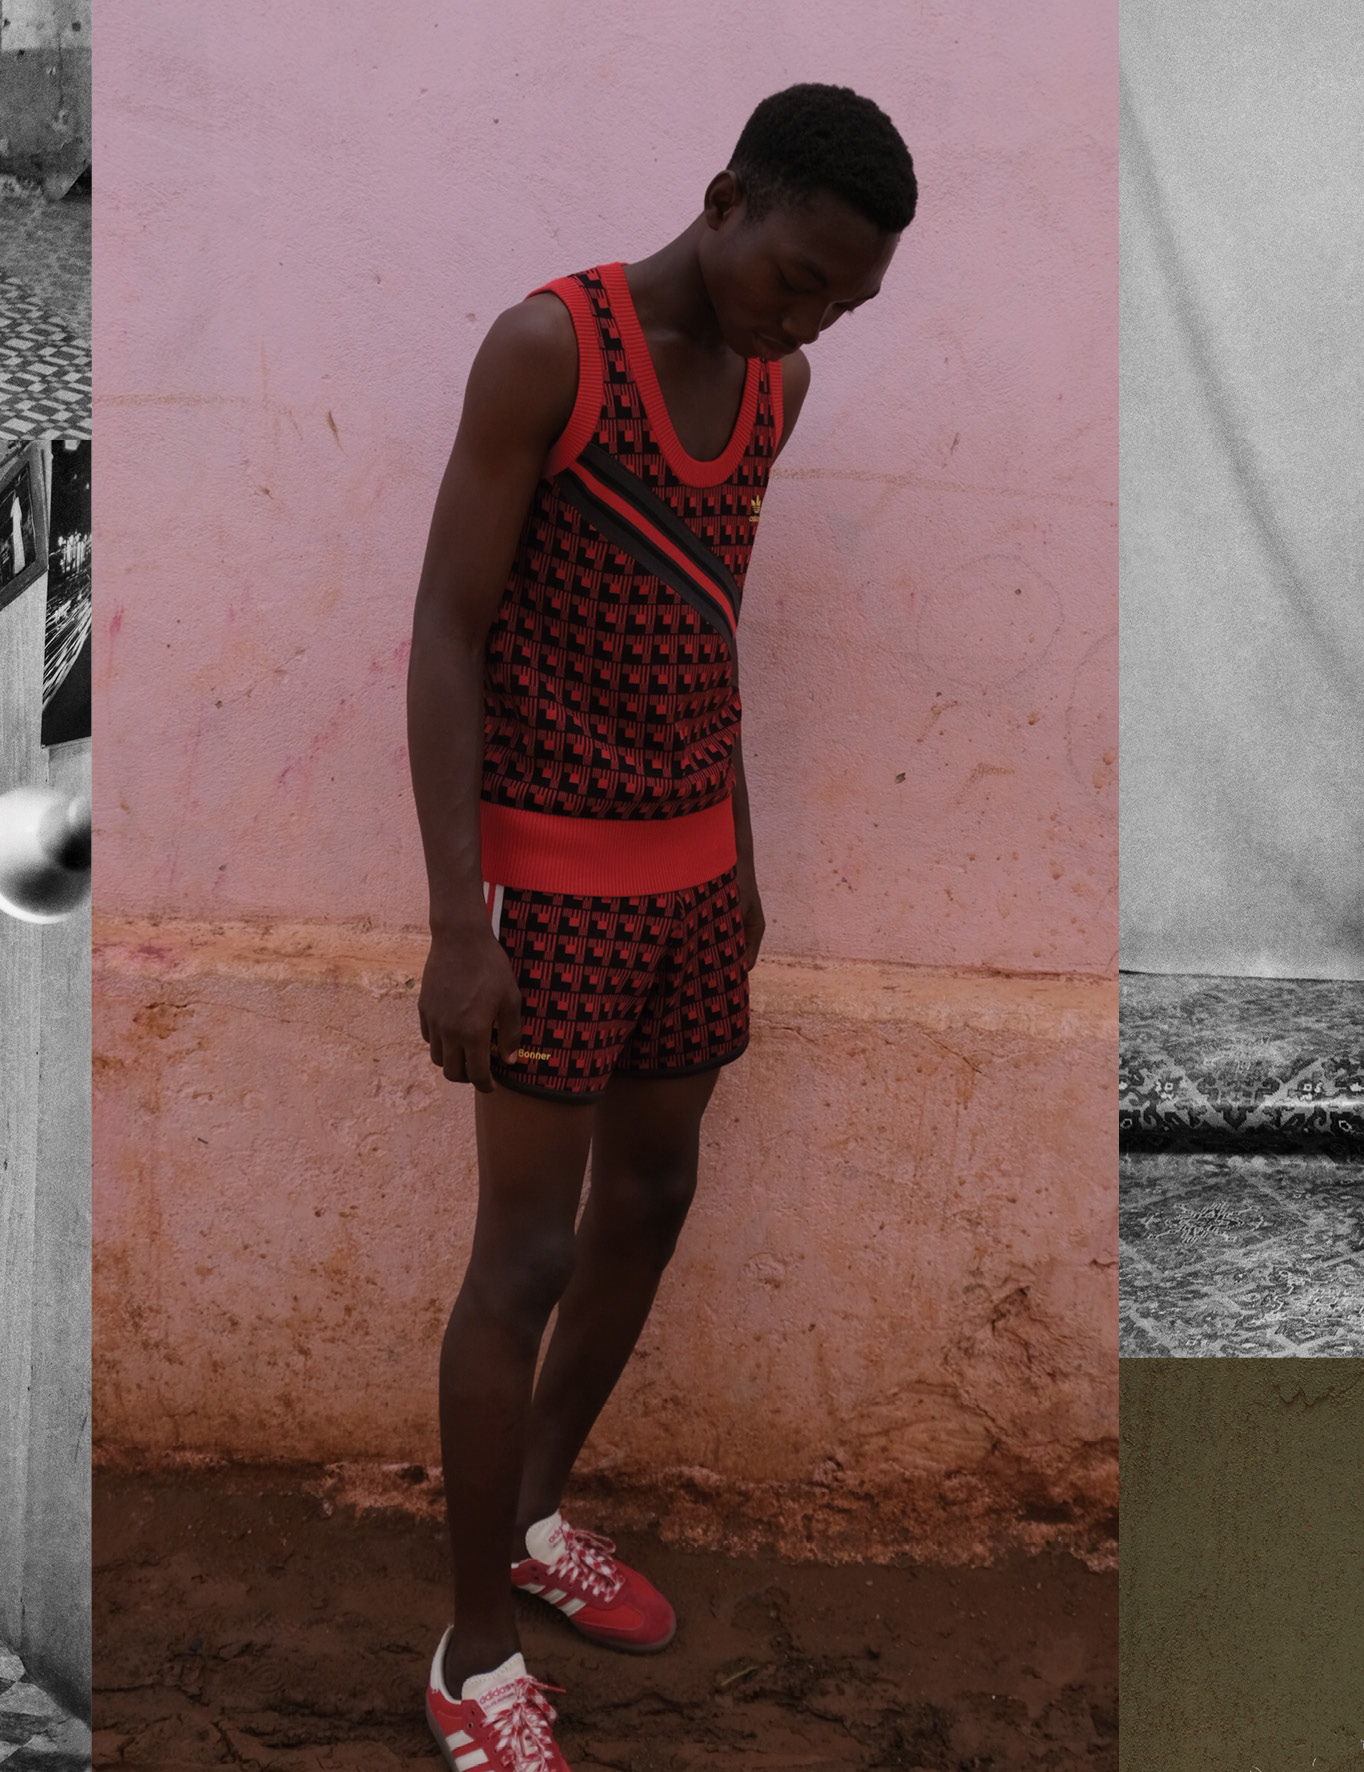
[44, 1176]
[1242, 679]
[23, 532]
[66, 650]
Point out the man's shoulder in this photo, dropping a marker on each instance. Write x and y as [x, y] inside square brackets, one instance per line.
[795, 378]
[540, 325]
[525, 375]
[795, 385]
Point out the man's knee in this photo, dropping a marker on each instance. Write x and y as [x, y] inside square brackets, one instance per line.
[522, 1283]
[651, 1204]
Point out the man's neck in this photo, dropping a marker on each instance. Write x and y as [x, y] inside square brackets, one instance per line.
[669, 292]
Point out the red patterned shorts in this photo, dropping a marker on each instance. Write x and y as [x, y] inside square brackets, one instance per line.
[628, 987]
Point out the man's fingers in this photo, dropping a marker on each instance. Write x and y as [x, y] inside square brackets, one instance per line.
[421, 1017]
[447, 1055]
[476, 1065]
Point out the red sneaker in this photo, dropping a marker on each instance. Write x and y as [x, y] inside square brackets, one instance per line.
[599, 1595]
[507, 1729]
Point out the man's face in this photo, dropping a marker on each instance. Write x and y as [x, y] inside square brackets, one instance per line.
[777, 283]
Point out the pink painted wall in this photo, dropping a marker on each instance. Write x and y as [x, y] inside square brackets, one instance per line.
[309, 216]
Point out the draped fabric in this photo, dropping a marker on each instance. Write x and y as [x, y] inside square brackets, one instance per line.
[1242, 521]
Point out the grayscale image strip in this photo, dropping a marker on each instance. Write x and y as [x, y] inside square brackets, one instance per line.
[1242, 909]
[46, 624]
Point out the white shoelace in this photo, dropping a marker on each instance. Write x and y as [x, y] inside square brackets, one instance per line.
[522, 1728]
[588, 1558]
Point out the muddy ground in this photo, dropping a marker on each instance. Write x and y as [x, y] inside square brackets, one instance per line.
[239, 1623]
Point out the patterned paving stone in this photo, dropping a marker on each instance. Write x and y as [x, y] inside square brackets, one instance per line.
[35, 1732]
[44, 370]
[46, 247]
[1233, 1255]
[44, 314]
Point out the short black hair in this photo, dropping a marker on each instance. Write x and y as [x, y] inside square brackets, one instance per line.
[811, 138]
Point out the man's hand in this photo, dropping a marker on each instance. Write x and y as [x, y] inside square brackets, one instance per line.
[469, 992]
[751, 909]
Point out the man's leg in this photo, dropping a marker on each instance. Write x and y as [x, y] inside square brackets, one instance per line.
[532, 1154]
[644, 1154]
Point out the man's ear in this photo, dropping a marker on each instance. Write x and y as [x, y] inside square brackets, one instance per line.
[724, 194]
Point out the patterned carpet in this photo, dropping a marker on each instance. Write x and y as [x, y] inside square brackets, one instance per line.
[44, 315]
[1241, 1065]
[1226, 1255]
[36, 1734]
[1241, 1181]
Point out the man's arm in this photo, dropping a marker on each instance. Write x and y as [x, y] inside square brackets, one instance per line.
[518, 400]
[795, 386]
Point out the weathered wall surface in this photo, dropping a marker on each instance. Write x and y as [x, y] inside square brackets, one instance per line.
[1242, 1603]
[45, 88]
[303, 239]
[44, 1222]
[900, 1266]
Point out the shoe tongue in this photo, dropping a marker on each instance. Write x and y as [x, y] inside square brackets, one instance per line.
[495, 1691]
[545, 1539]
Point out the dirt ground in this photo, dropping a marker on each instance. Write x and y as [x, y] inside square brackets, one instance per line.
[239, 1622]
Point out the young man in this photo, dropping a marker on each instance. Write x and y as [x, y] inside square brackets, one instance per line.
[574, 733]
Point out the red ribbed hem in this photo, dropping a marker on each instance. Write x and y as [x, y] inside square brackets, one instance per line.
[606, 857]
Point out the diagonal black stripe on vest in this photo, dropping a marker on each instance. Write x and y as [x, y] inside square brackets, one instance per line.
[629, 486]
[640, 546]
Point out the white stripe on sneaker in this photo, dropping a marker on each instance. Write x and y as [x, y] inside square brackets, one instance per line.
[556, 1594]
[459, 1739]
[466, 1762]
[572, 1606]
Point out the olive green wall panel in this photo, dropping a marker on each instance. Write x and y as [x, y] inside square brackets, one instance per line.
[1242, 1583]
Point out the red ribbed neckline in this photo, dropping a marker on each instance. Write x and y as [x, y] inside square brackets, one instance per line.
[685, 466]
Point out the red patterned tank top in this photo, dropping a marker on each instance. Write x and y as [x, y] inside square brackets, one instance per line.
[610, 706]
